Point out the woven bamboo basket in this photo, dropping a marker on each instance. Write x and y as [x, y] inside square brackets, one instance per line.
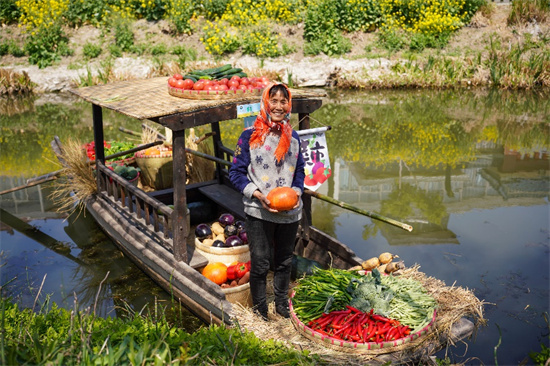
[213, 94]
[224, 255]
[239, 295]
[346, 346]
[157, 172]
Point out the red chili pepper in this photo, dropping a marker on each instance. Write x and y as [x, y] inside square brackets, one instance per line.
[353, 310]
[380, 318]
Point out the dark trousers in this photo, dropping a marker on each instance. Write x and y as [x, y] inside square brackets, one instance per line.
[265, 238]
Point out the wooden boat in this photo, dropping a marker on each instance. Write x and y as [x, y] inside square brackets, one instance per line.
[159, 239]
[145, 227]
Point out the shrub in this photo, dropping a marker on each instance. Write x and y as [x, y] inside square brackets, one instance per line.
[219, 38]
[41, 13]
[45, 46]
[357, 15]
[81, 12]
[9, 12]
[179, 13]
[115, 50]
[159, 49]
[149, 9]
[319, 19]
[124, 37]
[4, 49]
[213, 9]
[91, 50]
[392, 40]
[262, 42]
[331, 44]
[15, 50]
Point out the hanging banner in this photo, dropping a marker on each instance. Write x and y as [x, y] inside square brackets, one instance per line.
[315, 152]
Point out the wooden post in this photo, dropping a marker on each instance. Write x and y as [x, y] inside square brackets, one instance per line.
[97, 114]
[306, 199]
[216, 139]
[180, 223]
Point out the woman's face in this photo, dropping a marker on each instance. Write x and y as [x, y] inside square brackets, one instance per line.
[278, 107]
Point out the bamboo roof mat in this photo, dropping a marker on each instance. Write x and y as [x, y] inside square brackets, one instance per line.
[149, 98]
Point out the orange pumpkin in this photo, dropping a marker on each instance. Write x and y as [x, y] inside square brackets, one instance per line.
[282, 198]
[215, 272]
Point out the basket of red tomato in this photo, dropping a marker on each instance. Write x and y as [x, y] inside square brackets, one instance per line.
[214, 84]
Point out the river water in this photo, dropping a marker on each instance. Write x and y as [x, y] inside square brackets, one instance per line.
[468, 170]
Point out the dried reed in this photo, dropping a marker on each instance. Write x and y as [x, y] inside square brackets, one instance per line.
[453, 304]
[70, 194]
[198, 169]
[13, 82]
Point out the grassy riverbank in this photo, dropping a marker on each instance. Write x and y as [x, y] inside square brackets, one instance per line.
[482, 44]
[48, 335]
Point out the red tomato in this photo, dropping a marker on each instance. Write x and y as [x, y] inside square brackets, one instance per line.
[233, 82]
[199, 85]
[207, 82]
[188, 84]
[235, 77]
[242, 87]
[209, 87]
[232, 87]
[244, 81]
[180, 83]
[172, 82]
[222, 87]
[177, 77]
[264, 79]
[223, 81]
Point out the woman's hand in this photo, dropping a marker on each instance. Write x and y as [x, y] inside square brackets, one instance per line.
[263, 200]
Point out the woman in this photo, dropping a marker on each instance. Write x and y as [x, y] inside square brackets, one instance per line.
[268, 156]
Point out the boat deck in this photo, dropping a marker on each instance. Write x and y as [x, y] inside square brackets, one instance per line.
[225, 197]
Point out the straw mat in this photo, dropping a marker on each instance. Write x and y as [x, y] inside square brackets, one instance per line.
[149, 98]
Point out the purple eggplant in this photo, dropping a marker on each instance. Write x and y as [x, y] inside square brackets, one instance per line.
[243, 236]
[233, 241]
[226, 219]
[203, 231]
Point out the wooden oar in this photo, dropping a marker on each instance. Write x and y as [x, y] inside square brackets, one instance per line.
[373, 215]
[31, 182]
[322, 197]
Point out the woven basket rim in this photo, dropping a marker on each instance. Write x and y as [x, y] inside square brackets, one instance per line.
[213, 94]
[344, 346]
[222, 251]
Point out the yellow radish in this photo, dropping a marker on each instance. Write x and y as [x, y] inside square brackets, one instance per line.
[394, 266]
[370, 264]
[217, 228]
[386, 257]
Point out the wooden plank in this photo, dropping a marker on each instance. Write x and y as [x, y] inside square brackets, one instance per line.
[200, 295]
[226, 197]
[328, 251]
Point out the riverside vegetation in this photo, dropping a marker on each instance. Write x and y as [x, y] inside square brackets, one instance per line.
[414, 35]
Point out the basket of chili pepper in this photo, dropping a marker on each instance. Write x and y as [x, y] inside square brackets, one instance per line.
[352, 328]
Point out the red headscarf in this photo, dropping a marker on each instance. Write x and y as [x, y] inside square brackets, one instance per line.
[263, 125]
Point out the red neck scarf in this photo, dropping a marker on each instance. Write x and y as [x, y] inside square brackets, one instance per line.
[263, 126]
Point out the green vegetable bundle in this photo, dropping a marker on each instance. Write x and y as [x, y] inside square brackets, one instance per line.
[322, 292]
[403, 299]
[394, 297]
[215, 73]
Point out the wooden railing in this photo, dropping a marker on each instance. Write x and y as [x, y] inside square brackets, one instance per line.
[133, 199]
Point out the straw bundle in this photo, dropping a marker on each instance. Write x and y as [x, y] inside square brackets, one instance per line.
[198, 169]
[71, 193]
[454, 303]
